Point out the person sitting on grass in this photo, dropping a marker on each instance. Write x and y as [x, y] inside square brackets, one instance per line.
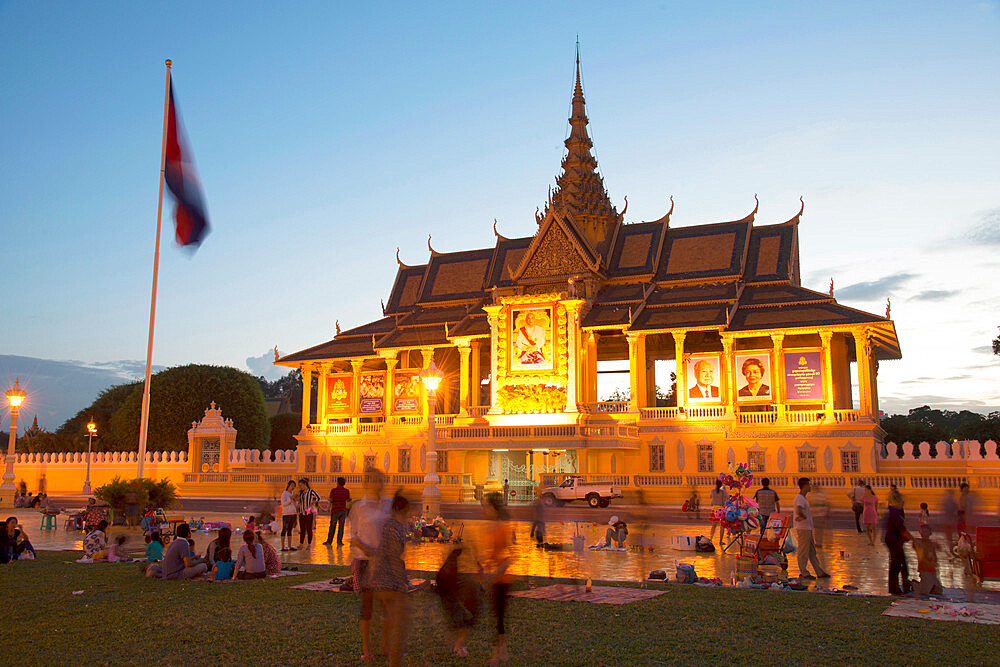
[272, 563]
[224, 564]
[250, 560]
[14, 542]
[219, 543]
[178, 560]
[154, 547]
[117, 551]
[96, 541]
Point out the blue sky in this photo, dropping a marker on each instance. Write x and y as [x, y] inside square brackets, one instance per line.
[328, 134]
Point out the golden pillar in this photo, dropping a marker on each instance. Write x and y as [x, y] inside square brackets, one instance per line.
[464, 350]
[306, 370]
[493, 315]
[778, 377]
[827, 337]
[679, 372]
[572, 344]
[322, 397]
[476, 372]
[637, 369]
[861, 352]
[728, 385]
[390, 387]
[356, 365]
[590, 378]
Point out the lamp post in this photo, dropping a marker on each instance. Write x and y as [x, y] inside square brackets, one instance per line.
[15, 397]
[91, 430]
[431, 377]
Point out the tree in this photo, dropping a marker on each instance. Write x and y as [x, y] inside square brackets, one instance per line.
[179, 397]
[289, 387]
[284, 428]
[996, 345]
[101, 411]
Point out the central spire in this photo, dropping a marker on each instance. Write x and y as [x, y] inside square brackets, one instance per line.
[579, 193]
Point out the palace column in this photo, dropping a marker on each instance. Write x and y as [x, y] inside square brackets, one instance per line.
[356, 365]
[427, 355]
[322, 397]
[726, 385]
[590, 376]
[493, 315]
[827, 337]
[861, 352]
[637, 369]
[464, 350]
[390, 387]
[476, 372]
[681, 386]
[778, 374]
[306, 370]
[572, 345]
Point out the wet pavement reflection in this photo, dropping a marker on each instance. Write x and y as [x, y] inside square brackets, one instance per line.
[861, 565]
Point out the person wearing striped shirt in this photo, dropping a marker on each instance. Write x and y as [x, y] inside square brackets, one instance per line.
[308, 509]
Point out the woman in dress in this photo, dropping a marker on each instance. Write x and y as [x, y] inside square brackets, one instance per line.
[389, 580]
[870, 515]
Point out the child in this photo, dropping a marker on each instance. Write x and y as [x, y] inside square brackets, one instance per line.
[117, 551]
[194, 554]
[224, 564]
[249, 525]
[925, 515]
[927, 561]
[154, 547]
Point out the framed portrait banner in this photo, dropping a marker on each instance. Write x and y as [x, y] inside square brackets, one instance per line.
[703, 374]
[406, 392]
[531, 338]
[804, 376]
[338, 394]
[754, 380]
[372, 393]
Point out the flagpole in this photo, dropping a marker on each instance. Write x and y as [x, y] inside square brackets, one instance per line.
[144, 420]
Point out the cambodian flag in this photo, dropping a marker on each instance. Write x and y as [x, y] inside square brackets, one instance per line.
[182, 179]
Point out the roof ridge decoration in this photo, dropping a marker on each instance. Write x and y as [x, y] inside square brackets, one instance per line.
[794, 220]
[500, 237]
[580, 191]
[434, 253]
[401, 264]
[666, 218]
[591, 259]
[753, 213]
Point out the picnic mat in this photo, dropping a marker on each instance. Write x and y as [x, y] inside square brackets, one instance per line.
[598, 594]
[970, 612]
[325, 585]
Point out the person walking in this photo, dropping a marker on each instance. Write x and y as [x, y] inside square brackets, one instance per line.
[339, 497]
[870, 516]
[896, 499]
[308, 509]
[498, 562]
[802, 523]
[289, 513]
[366, 518]
[717, 498]
[895, 535]
[389, 580]
[767, 502]
[857, 496]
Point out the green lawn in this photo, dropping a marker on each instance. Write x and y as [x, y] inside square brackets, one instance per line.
[121, 618]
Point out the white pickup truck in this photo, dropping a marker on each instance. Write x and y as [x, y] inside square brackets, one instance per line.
[597, 494]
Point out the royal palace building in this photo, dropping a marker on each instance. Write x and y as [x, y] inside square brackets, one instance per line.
[517, 330]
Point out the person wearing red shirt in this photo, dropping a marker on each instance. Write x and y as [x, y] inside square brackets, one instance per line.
[339, 497]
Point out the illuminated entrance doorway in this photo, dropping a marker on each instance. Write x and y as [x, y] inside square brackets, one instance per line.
[521, 469]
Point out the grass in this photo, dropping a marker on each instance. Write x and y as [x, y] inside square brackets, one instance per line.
[121, 618]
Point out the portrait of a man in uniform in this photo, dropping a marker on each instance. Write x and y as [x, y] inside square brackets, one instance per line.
[532, 339]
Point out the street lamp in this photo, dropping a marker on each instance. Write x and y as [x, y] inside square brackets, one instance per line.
[431, 377]
[91, 432]
[15, 397]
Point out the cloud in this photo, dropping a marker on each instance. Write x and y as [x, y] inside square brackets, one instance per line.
[874, 290]
[982, 349]
[934, 295]
[987, 230]
[264, 366]
[901, 405]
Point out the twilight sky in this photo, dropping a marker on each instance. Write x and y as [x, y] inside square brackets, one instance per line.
[328, 134]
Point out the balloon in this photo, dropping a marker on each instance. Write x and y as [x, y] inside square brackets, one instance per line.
[743, 514]
[752, 511]
[753, 523]
[730, 515]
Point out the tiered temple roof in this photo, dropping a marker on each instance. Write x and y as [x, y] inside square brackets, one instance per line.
[644, 277]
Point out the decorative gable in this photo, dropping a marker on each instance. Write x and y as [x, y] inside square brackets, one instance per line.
[555, 255]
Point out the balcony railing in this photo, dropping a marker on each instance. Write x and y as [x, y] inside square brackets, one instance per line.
[478, 410]
[609, 407]
[658, 413]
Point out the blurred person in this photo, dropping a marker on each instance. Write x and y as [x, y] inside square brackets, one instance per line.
[925, 515]
[460, 600]
[538, 523]
[895, 535]
[289, 514]
[308, 508]
[966, 509]
[717, 498]
[895, 499]
[767, 502]
[116, 552]
[389, 582]
[272, 562]
[820, 504]
[857, 496]
[870, 516]
[802, 523]
[339, 497]
[366, 518]
[949, 518]
[498, 561]
[927, 562]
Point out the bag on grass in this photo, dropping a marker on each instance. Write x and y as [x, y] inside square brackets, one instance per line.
[686, 573]
[789, 547]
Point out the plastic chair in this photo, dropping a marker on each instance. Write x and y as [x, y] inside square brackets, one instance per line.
[48, 522]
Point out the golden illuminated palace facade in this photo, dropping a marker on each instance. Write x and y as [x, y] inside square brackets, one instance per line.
[763, 365]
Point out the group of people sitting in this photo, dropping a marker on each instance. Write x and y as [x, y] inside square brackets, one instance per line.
[39, 501]
[14, 542]
[255, 558]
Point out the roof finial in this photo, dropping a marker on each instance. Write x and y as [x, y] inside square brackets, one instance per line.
[621, 216]
[382, 301]
[275, 352]
[433, 251]
[795, 218]
[888, 307]
[337, 324]
[831, 288]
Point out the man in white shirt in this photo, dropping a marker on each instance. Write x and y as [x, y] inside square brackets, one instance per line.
[857, 496]
[366, 518]
[802, 523]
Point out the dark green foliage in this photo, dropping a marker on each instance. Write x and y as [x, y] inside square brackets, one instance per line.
[51, 442]
[180, 395]
[284, 427]
[101, 410]
[925, 424]
[146, 493]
